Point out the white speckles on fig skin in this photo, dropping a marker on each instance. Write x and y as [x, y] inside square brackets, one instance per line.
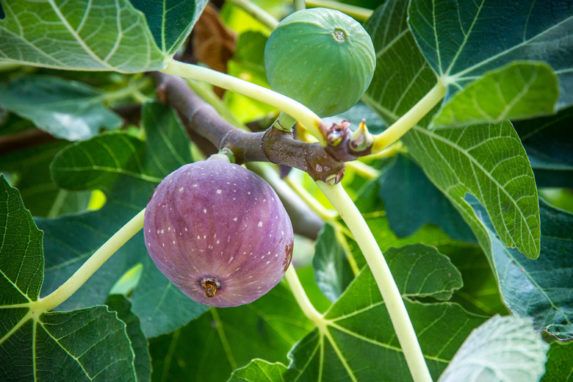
[216, 223]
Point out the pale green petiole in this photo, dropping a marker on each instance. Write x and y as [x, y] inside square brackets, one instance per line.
[299, 5]
[256, 12]
[323, 212]
[386, 284]
[302, 299]
[358, 13]
[406, 122]
[298, 111]
[99, 257]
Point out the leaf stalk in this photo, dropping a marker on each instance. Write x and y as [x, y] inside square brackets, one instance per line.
[295, 109]
[384, 279]
[302, 299]
[99, 257]
[354, 11]
[407, 121]
[256, 12]
[323, 212]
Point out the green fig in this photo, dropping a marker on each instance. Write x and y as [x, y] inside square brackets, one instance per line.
[321, 58]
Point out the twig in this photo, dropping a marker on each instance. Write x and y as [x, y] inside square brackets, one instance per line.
[27, 138]
[273, 145]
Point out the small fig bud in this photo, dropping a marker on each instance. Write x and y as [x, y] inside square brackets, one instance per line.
[361, 139]
[322, 58]
[337, 132]
[218, 232]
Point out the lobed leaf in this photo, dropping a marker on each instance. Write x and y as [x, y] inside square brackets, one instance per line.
[539, 289]
[502, 349]
[332, 269]
[88, 344]
[487, 161]
[518, 90]
[230, 338]
[357, 341]
[112, 35]
[463, 40]
[65, 109]
[77, 35]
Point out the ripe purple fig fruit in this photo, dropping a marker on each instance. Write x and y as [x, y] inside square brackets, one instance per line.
[218, 232]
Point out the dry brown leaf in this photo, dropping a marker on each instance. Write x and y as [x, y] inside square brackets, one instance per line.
[213, 43]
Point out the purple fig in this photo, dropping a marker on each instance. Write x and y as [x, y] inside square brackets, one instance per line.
[218, 232]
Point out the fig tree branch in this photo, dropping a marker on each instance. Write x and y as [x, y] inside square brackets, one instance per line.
[25, 139]
[210, 131]
[273, 145]
[301, 113]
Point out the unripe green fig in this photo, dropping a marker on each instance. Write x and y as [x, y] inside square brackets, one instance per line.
[321, 58]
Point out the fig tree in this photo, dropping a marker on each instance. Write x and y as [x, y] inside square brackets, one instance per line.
[322, 58]
[218, 232]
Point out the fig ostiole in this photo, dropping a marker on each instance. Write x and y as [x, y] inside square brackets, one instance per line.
[218, 232]
[322, 58]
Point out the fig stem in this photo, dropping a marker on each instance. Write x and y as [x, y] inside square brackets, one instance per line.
[388, 152]
[363, 169]
[302, 299]
[284, 122]
[339, 231]
[299, 5]
[256, 12]
[324, 213]
[224, 154]
[295, 109]
[96, 260]
[353, 11]
[409, 120]
[381, 272]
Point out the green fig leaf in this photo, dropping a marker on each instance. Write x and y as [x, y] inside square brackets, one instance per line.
[503, 349]
[259, 370]
[107, 36]
[66, 109]
[357, 341]
[487, 161]
[463, 41]
[539, 289]
[231, 338]
[86, 344]
[519, 90]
